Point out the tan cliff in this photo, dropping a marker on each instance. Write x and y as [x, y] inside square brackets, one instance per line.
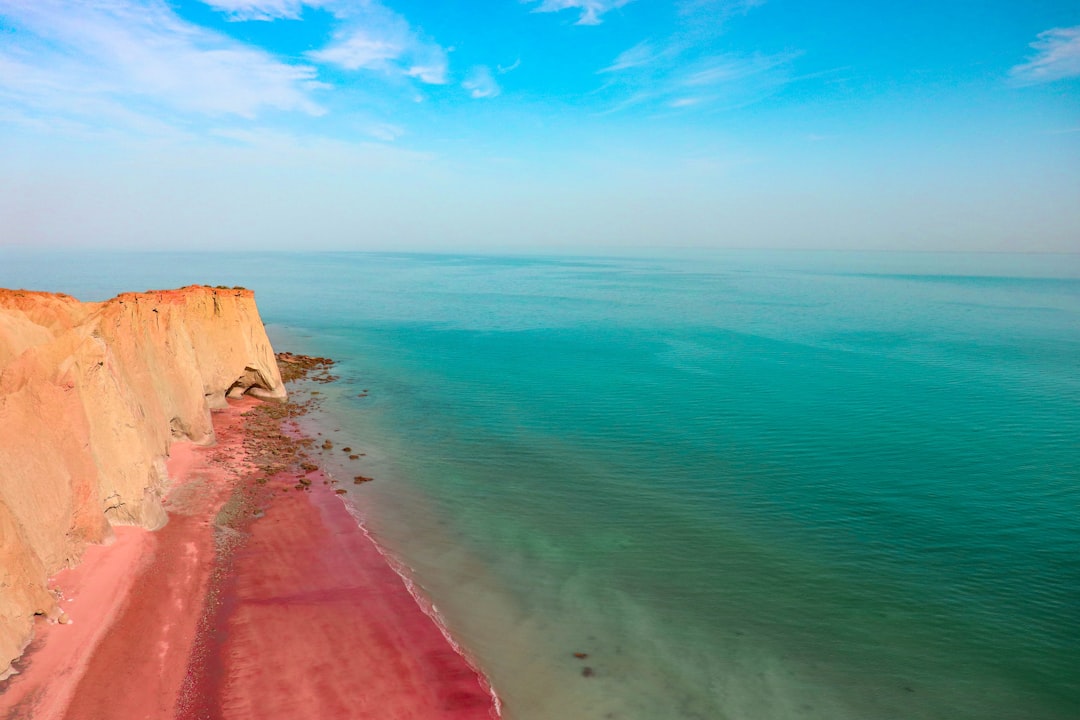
[91, 397]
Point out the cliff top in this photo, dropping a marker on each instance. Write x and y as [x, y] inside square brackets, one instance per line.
[12, 297]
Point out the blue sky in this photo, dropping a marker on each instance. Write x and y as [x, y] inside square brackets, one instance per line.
[584, 125]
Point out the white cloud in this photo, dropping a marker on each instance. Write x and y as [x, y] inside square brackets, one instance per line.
[370, 36]
[360, 50]
[480, 83]
[591, 10]
[121, 57]
[1058, 57]
[373, 37]
[428, 64]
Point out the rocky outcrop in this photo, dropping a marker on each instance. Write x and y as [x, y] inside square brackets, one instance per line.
[91, 396]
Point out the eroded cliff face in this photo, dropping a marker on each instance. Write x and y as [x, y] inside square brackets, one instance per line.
[91, 396]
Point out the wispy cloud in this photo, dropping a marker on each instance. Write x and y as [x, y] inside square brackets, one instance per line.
[707, 82]
[686, 69]
[509, 68]
[373, 37]
[481, 83]
[260, 9]
[641, 54]
[386, 132]
[276, 144]
[682, 102]
[427, 63]
[369, 36]
[360, 49]
[725, 69]
[718, 9]
[592, 11]
[131, 59]
[1057, 57]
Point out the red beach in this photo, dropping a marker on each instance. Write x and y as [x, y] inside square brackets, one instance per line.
[261, 598]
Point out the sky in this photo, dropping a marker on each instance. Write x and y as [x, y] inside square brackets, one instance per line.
[540, 125]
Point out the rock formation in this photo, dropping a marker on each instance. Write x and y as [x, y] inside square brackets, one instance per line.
[91, 396]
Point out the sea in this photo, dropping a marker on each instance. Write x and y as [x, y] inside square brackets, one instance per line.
[731, 485]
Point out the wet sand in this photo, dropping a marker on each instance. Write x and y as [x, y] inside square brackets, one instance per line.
[257, 599]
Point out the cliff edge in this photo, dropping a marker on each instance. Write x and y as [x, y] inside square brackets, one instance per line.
[91, 397]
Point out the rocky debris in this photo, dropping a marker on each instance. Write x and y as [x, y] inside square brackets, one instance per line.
[305, 367]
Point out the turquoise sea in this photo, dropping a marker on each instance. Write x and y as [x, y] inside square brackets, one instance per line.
[748, 485]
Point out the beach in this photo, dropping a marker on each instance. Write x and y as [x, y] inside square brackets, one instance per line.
[261, 597]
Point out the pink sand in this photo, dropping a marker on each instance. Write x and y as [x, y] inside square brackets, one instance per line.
[305, 621]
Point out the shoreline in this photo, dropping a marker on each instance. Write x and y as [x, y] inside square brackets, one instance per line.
[262, 597]
[428, 608]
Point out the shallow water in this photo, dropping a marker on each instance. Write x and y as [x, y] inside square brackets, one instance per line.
[747, 485]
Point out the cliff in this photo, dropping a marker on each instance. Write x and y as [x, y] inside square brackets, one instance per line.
[91, 397]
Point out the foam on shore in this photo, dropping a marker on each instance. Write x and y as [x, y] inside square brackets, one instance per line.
[426, 606]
